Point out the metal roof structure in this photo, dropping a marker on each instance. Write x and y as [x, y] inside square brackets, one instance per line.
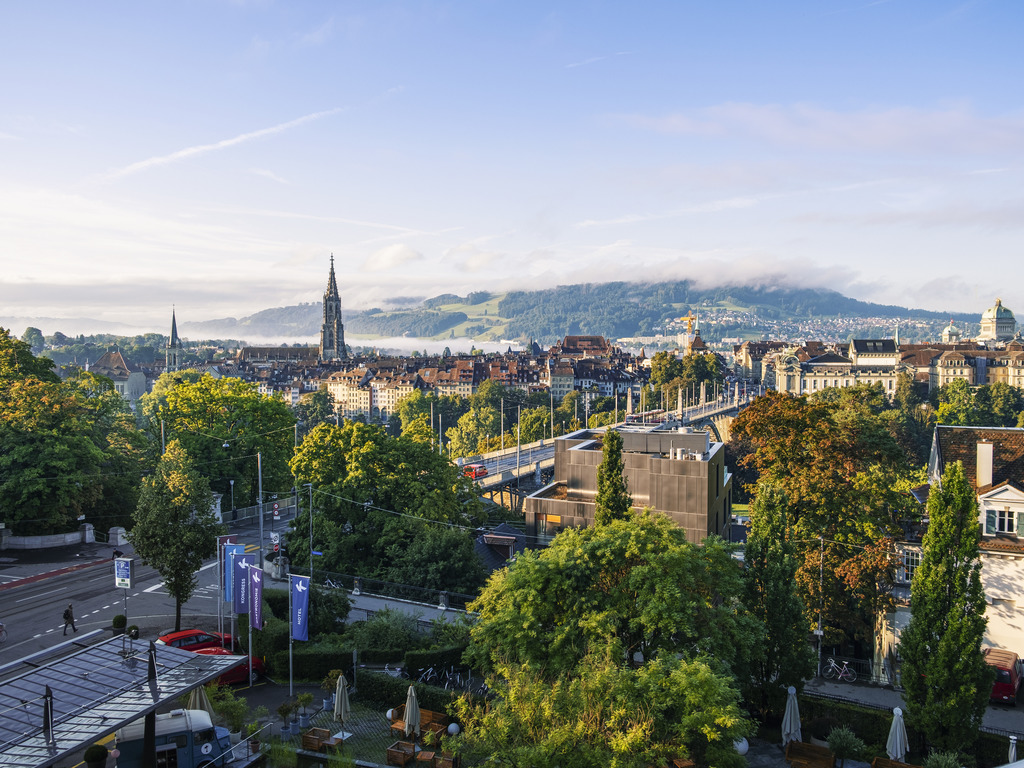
[66, 704]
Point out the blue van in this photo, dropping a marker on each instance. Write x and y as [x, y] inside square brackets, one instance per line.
[185, 738]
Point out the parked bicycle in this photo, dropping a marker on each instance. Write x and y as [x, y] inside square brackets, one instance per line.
[844, 672]
[428, 676]
[396, 672]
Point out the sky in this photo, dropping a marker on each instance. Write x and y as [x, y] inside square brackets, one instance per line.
[212, 155]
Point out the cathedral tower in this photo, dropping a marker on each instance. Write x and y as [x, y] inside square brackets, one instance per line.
[172, 361]
[332, 332]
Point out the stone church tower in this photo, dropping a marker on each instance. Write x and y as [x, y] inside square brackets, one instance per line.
[172, 361]
[332, 332]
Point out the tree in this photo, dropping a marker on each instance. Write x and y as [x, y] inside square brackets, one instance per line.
[956, 405]
[605, 714]
[613, 501]
[946, 680]
[18, 363]
[784, 657]
[315, 408]
[175, 527]
[474, 432]
[636, 583]
[34, 338]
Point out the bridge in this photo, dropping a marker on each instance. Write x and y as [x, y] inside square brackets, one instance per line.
[718, 414]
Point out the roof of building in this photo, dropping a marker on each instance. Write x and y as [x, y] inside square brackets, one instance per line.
[874, 346]
[498, 545]
[997, 312]
[961, 444]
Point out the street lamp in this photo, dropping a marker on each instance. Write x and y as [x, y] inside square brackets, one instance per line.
[232, 498]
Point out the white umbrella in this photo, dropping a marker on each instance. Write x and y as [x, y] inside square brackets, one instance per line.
[199, 700]
[896, 746]
[1012, 755]
[412, 713]
[791, 720]
[341, 700]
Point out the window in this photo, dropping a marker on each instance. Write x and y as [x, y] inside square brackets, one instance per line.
[1006, 521]
[911, 560]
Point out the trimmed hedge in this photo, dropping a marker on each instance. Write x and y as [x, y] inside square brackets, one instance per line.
[438, 658]
[383, 691]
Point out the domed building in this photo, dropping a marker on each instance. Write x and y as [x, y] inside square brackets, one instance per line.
[997, 323]
[950, 334]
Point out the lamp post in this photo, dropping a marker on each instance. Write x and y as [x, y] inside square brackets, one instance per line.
[310, 486]
[259, 470]
[232, 498]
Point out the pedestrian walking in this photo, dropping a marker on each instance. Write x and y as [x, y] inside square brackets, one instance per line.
[69, 618]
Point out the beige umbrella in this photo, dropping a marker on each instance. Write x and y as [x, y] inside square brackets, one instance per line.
[897, 743]
[341, 708]
[412, 714]
[1012, 754]
[198, 699]
[791, 719]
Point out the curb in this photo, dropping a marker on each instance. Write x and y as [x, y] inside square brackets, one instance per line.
[48, 574]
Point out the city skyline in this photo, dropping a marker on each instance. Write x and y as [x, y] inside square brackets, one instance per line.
[214, 156]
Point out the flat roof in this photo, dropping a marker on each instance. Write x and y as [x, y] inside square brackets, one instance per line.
[95, 690]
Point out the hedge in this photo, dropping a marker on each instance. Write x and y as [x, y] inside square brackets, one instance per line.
[381, 690]
[438, 658]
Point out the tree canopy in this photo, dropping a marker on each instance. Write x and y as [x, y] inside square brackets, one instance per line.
[613, 501]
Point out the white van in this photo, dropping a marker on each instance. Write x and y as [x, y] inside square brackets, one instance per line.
[185, 738]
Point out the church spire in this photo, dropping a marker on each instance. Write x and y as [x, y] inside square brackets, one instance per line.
[172, 360]
[332, 331]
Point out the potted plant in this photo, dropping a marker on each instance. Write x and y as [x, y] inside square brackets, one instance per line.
[285, 709]
[95, 756]
[231, 709]
[252, 731]
[329, 686]
[119, 622]
[844, 743]
[303, 700]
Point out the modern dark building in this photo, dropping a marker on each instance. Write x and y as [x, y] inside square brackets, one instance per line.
[674, 470]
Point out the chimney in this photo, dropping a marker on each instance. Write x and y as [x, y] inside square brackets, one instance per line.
[984, 474]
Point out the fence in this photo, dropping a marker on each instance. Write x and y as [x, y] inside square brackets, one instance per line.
[359, 585]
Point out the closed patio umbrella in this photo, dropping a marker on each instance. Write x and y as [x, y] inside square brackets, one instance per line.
[199, 700]
[341, 700]
[1012, 754]
[791, 720]
[412, 713]
[896, 745]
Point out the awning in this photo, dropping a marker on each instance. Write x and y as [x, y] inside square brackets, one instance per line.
[66, 704]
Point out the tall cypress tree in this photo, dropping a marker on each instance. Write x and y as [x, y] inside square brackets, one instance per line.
[613, 500]
[947, 683]
[784, 656]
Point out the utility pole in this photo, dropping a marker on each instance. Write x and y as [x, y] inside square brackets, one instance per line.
[259, 470]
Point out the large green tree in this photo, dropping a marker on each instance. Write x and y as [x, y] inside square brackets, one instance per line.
[314, 408]
[613, 501]
[175, 526]
[371, 495]
[770, 590]
[946, 681]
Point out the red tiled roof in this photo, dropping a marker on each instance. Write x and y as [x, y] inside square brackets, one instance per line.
[961, 444]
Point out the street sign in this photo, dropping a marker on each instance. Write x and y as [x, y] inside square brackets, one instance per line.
[275, 538]
[277, 547]
[276, 507]
[277, 511]
[124, 572]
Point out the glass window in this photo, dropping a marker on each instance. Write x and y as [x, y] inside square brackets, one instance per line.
[911, 560]
[1006, 521]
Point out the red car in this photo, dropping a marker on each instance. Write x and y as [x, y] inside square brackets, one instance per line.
[195, 639]
[239, 674]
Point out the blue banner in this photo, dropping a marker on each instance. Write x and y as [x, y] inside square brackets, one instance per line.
[229, 550]
[256, 598]
[300, 607]
[240, 585]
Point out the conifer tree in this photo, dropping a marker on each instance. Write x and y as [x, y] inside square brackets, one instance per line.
[947, 683]
[784, 657]
[613, 500]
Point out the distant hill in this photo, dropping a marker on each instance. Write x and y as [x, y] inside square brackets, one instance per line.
[607, 309]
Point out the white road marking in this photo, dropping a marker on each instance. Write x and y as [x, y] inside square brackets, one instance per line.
[36, 597]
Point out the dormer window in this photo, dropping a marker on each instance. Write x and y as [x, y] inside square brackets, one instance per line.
[1006, 520]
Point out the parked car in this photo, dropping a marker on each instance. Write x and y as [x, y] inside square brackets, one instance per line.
[194, 639]
[239, 674]
[1009, 672]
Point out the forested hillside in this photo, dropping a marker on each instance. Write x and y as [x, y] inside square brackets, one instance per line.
[607, 309]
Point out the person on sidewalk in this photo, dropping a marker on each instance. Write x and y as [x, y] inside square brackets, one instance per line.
[69, 618]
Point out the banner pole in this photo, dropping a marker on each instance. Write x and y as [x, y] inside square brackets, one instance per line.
[248, 577]
[291, 638]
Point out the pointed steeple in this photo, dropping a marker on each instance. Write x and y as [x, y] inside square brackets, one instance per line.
[174, 329]
[172, 359]
[332, 331]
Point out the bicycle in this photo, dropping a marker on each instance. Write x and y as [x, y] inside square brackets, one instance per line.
[428, 676]
[396, 672]
[330, 584]
[844, 672]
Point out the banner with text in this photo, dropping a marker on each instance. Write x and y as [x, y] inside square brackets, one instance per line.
[240, 586]
[229, 551]
[300, 607]
[256, 598]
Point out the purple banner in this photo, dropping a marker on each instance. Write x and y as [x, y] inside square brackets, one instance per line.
[256, 598]
[300, 608]
[240, 584]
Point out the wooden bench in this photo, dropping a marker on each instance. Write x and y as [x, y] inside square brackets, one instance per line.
[401, 752]
[885, 762]
[800, 754]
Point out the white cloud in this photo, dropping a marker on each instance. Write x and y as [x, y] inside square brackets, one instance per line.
[318, 36]
[955, 129]
[270, 175]
[202, 149]
[391, 257]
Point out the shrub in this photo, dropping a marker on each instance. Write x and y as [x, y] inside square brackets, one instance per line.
[95, 753]
[120, 620]
[386, 630]
[942, 760]
[384, 692]
[439, 659]
[821, 727]
[226, 704]
[845, 744]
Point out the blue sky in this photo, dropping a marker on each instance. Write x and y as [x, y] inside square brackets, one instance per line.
[213, 155]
